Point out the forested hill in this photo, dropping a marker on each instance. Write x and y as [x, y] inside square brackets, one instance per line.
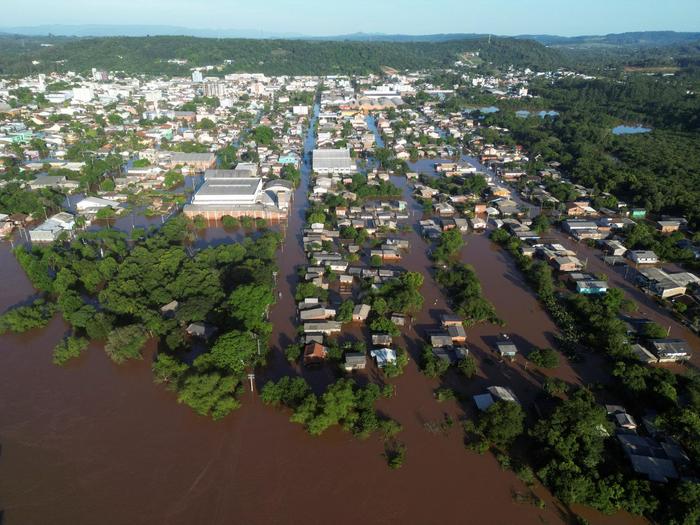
[22, 55]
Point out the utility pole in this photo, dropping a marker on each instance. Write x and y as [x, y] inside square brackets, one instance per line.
[251, 378]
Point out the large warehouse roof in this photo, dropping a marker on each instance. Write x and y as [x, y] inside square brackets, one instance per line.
[332, 159]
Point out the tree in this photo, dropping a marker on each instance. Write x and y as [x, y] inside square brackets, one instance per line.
[432, 365]
[263, 135]
[125, 343]
[232, 353]
[382, 325]
[307, 290]
[653, 331]
[464, 290]
[412, 280]
[24, 318]
[105, 213]
[210, 394]
[685, 509]
[173, 178]
[292, 174]
[540, 224]
[316, 217]
[344, 314]
[293, 352]
[229, 222]
[449, 245]
[206, 123]
[168, 370]
[571, 444]
[200, 222]
[498, 426]
[288, 391]
[248, 304]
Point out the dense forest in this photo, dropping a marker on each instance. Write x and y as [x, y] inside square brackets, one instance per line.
[274, 57]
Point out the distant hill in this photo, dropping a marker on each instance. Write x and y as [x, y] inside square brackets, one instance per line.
[22, 54]
[381, 37]
[635, 39]
[639, 38]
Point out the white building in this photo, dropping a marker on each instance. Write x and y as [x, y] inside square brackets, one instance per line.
[643, 256]
[89, 204]
[229, 190]
[52, 228]
[83, 94]
[333, 161]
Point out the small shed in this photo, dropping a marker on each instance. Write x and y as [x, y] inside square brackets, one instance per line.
[506, 347]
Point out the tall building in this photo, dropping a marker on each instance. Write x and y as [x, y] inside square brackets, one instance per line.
[213, 89]
[197, 76]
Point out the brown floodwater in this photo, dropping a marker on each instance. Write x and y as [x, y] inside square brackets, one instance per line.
[94, 442]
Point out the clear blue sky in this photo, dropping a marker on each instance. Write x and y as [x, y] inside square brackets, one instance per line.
[328, 17]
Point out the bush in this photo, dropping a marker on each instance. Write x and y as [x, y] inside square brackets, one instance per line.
[445, 394]
[68, 349]
[526, 475]
[390, 428]
[555, 386]
[544, 357]
[468, 367]
[395, 455]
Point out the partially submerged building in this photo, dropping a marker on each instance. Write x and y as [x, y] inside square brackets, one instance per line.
[235, 193]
